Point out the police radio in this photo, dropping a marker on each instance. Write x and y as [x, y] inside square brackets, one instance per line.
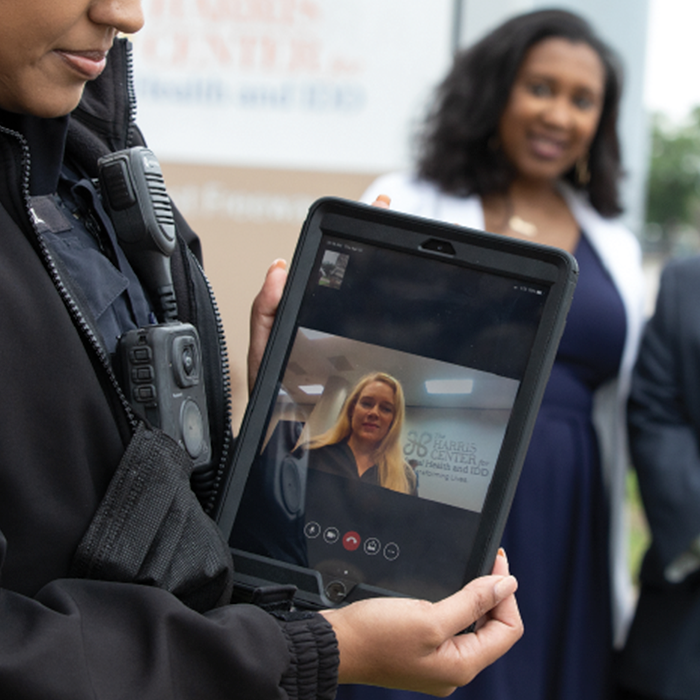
[160, 365]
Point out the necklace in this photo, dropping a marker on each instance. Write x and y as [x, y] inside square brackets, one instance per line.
[526, 228]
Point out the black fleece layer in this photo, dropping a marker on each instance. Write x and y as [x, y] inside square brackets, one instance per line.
[63, 430]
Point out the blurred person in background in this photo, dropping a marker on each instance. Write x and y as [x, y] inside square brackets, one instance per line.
[522, 141]
[661, 660]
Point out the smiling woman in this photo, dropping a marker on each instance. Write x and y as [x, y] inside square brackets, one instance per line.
[522, 141]
[546, 129]
[365, 442]
[49, 50]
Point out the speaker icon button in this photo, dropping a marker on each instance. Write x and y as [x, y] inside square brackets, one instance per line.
[373, 546]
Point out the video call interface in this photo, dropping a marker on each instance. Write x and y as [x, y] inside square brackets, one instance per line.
[369, 309]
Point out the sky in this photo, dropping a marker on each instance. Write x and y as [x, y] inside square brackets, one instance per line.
[672, 82]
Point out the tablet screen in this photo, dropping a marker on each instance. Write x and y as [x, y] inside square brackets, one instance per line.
[390, 413]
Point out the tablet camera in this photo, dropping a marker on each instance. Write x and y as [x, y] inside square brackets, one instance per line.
[435, 245]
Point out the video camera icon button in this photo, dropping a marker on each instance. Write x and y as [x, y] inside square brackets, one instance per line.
[373, 546]
[391, 551]
[312, 530]
[351, 540]
[331, 535]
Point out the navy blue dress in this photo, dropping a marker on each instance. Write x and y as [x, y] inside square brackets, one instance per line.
[557, 533]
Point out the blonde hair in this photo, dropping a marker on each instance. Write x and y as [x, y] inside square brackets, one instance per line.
[389, 455]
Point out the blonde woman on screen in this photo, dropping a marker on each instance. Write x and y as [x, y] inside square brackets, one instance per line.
[365, 442]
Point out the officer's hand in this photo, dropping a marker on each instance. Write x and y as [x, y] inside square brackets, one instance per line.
[262, 316]
[415, 645]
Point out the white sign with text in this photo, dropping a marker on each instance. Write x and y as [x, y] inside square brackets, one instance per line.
[309, 84]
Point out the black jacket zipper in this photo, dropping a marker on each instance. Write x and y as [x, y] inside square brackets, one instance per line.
[69, 301]
[207, 493]
[206, 488]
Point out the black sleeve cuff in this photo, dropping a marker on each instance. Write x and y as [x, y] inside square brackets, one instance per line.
[313, 670]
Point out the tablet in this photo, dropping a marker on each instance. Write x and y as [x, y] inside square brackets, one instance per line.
[384, 438]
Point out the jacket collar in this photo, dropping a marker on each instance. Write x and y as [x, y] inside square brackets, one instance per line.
[104, 120]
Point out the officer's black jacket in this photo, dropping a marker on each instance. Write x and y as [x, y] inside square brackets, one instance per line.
[63, 431]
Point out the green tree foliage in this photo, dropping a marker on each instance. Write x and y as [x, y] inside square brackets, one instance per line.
[673, 190]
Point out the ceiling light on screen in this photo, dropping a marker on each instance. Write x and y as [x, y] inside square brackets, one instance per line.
[314, 335]
[449, 386]
[312, 389]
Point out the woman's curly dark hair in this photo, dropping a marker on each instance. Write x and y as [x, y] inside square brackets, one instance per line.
[455, 147]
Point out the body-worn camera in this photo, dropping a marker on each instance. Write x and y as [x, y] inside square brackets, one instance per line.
[162, 374]
[161, 365]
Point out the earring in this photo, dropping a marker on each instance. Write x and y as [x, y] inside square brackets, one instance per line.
[583, 175]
